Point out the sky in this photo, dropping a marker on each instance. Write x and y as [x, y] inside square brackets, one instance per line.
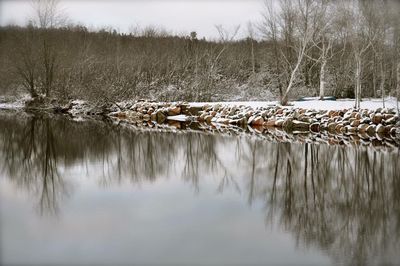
[178, 16]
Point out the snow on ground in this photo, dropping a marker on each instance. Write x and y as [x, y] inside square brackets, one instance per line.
[11, 104]
[371, 104]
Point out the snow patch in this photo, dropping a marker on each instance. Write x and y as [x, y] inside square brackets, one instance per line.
[371, 104]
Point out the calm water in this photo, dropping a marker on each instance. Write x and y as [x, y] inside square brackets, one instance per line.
[92, 193]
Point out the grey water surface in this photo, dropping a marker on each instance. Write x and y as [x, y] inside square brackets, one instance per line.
[78, 193]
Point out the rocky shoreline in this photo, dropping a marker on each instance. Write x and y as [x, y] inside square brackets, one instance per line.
[379, 127]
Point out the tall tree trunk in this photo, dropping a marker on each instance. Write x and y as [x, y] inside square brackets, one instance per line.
[382, 85]
[358, 81]
[293, 76]
[322, 81]
[253, 61]
[374, 76]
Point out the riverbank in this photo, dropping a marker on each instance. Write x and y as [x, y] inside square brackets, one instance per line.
[320, 122]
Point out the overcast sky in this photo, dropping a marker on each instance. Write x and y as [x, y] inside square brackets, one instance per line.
[180, 16]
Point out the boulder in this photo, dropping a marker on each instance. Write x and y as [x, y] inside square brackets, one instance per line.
[208, 119]
[251, 118]
[257, 121]
[377, 118]
[362, 128]
[355, 123]
[371, 129]
[300, 126]
[391, 121]
[332, 127]
[288, 124]
[242, 122]
[153, 117]
[365, 120]
[225, 121]
[315, 127]
[121, 115]
[270, 123]
[161, 117]
[351, 129]
[393, 131]
[388, 116]
[146, 117]
[279, 122]
[338, 128]
[174, 110]
[380, 129]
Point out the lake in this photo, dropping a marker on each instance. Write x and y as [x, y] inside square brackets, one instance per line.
[78, 193]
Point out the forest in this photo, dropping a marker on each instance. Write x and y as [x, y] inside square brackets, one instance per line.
[344, 48]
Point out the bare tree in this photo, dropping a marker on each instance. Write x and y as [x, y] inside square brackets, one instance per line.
[250, 30]
[295, 23]
[26, 62]
[361, 37]
[48, 14]
[326, 35]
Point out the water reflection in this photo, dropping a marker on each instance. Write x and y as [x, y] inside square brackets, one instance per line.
[342, 201]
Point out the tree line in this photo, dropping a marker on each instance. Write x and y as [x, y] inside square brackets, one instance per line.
[343, 48]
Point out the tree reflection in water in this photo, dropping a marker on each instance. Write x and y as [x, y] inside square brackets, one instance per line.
[342, 200]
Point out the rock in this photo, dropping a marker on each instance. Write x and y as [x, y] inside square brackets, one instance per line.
[377, 118]
[300, 126]
[208, 119]
[362, 128]
[174, 110]
[242, 122]
[380, 129]
[121, 115]
[338, 128]
[371, 130]
[388, 116]
[258, 129]
[233, 111]
[391, 121]
[348, 115]
[393, 131]
[258, 121]
[160, 117]
[279, 123]
[233, 121]
[222, 121]
[251, 118]
[146, 117]
[365, 120]
[270, 123]
[351, 129]
[355, 123]
[387, 129]
[320, 116]
[288, 124]
[315, 127]
[332, 127]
